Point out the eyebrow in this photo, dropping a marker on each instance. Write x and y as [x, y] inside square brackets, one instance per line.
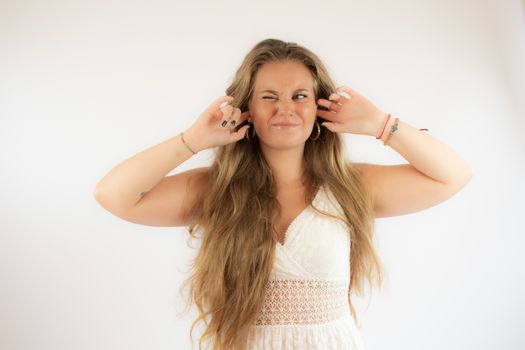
[275, 92]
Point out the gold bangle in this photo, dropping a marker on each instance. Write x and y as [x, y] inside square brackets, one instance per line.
[185, 144]
[393, 129]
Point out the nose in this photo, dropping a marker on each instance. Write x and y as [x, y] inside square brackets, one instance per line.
[285, 107]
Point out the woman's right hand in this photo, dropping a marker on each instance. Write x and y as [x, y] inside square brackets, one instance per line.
[214, 126]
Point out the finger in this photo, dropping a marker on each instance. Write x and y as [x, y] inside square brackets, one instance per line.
[330, 126]
[338, 98]
[328, 115]
[234, 118]
[351, 92]
[222, 101]
[220, 108]
[242, 121]
[239, 119]
[331, 105]
[241, 133]
[226, 113]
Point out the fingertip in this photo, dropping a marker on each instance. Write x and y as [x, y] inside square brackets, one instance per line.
[225, 103]
[241, 132]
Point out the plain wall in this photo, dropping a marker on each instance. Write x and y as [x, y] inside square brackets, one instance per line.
[85, 85]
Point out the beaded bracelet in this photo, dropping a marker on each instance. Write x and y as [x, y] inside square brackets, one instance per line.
[185, 144]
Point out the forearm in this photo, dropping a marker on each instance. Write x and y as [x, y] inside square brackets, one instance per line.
[424, 152]
[127, 182]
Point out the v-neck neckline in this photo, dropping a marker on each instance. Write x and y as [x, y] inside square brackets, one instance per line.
[293, 223]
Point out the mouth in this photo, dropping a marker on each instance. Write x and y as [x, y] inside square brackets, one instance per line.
[286, 125]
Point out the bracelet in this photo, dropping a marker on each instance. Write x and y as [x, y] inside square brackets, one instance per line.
[185, 144]
[393, 129]
[383, 130]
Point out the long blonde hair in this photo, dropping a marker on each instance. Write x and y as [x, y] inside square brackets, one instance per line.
[233, 265]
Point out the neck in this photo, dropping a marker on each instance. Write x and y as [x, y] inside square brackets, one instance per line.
[287, 166]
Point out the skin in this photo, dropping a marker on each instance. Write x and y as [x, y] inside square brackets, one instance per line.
[434, 173]
[283, 148]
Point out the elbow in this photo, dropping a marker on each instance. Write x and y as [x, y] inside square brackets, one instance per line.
[97, 193]
[465, 177]
[469, 174]
[461, 178]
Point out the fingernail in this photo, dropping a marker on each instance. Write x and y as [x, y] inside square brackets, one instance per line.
[224, 123]
[224, 104]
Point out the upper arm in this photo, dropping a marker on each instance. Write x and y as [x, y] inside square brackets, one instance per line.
[402, 189]
[169, 202]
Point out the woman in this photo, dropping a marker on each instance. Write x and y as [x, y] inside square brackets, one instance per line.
[284, 217]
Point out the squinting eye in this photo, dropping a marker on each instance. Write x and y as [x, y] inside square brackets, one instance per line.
[295, 95]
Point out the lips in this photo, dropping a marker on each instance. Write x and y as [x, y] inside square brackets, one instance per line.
[285, 124]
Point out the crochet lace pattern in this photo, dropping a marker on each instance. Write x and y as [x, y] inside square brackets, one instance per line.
[303, 302]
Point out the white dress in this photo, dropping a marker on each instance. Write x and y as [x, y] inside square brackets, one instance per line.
[306, 303]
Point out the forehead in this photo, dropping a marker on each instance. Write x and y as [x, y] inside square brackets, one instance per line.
[283, 75]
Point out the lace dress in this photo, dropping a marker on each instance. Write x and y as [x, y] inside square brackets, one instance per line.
[306, 303]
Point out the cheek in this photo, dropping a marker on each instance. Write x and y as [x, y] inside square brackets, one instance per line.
[260, 111]
[309, 110]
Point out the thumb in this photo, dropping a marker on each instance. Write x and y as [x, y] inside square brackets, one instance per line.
[241, 133]
[330, 126]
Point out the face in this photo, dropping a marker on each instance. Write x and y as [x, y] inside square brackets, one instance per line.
[283, 93]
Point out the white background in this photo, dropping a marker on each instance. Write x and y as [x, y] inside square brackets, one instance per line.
[85, 85]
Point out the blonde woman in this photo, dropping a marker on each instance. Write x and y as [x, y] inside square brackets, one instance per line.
[286, 221]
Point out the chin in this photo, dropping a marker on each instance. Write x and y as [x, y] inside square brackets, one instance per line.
[289, 142]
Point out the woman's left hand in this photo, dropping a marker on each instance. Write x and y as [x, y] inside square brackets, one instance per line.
[355, 115]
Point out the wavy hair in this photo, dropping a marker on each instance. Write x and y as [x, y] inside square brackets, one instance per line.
[236, 215]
